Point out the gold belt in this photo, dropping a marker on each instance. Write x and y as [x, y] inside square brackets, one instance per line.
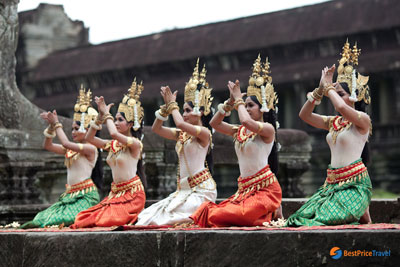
[119, 189]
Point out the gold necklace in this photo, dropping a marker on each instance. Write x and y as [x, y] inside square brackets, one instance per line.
[337, 125]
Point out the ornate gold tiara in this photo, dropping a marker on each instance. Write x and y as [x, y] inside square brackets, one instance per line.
[198, 92]
[131, 106]
[260, 85]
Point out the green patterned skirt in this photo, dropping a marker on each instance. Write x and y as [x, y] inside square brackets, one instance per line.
[343, 199]
[77, 198]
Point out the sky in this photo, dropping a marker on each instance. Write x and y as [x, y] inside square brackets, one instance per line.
[110, 20]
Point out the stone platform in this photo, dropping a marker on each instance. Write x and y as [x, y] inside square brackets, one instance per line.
[197, 248]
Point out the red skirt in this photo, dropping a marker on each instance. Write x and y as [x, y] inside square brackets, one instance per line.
[255, 202]
[122, 206]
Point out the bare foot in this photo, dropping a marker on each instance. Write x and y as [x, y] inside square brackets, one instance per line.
[278, 213]
[185, 225]
[366, 218]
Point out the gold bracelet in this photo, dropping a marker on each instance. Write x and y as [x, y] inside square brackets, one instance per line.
[170, 103]
[99, 120]
[108, 116]
[57, 125]
[238, 102]
[163, 111]
[316, 95]
[228, 107]
[171, 106]
[48, 133]
[327, 89]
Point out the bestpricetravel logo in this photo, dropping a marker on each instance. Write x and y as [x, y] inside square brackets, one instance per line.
[336, 253]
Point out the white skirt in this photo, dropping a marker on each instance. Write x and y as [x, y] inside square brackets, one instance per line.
[178, 206]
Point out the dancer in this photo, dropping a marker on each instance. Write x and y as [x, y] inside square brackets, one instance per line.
[127, 198]
[345, 196]
[194, 140]
[259, 194]
[80, 160]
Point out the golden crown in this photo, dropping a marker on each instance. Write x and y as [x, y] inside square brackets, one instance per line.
[359, 89]
[260, 85]
[131, 106]
[83, 110]
[198, 92]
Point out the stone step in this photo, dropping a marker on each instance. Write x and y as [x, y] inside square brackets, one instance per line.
[198, 248]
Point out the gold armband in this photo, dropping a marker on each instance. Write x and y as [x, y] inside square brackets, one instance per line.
[198, 130]
[129, 141]
[260, 126]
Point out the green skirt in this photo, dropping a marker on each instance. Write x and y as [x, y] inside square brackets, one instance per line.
[335, 204]
[65, 210]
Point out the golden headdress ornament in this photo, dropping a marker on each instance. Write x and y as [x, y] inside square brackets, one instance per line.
[260, 85]
[198, 92]
[131, 105]
[83, 110]
[359, 89]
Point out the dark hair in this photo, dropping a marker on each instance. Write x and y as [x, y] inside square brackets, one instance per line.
[97, 172]
[205, 120]
[271, 118]
[360, 106]
[140, 168]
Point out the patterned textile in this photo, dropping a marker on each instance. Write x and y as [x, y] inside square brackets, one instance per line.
[258, 197]
[125, 201]
[178, 206]
[76, 198]
[198, 178]
[343, 202]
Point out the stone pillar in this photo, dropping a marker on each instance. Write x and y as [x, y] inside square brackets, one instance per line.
[396, 84]
[21, 156]
[294, 159]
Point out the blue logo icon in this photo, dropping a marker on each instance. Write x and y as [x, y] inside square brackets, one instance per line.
[336, 253]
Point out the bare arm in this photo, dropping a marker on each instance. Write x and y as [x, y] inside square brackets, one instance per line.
[264, 129]
[306, 112]
[220, 126]
[166, 132]
[360, 119]
[96, 141]
[134, 143]
[202, 133]
[313, 119]
[87, 150]
[50, 146]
